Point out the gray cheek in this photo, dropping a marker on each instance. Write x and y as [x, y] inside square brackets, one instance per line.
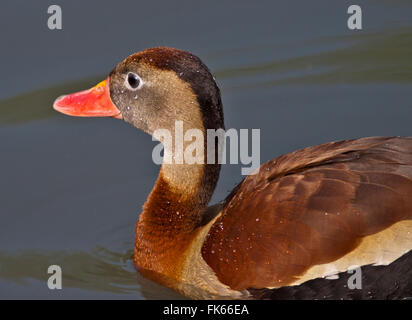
[129, 112]
[132, 115]
[123, 102]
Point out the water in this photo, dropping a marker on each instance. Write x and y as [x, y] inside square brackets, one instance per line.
[71, 188]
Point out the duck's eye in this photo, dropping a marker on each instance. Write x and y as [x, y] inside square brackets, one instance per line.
[133, 81]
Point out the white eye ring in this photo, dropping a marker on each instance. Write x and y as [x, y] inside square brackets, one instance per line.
[133, 81]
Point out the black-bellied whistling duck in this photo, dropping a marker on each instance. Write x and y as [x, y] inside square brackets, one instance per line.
[281, 233]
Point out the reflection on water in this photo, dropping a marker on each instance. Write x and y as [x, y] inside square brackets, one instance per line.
[98, 270]
[91, 176]
[37, 104]
[364, 58]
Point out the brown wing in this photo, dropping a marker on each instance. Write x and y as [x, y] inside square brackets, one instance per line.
[310, 207]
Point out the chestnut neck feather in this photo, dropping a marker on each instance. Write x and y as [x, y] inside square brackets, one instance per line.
[173, 210]
[171, 218]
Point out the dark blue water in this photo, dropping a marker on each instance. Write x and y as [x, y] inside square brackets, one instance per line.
[71, 189]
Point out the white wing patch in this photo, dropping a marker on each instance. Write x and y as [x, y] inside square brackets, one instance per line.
[381, 248]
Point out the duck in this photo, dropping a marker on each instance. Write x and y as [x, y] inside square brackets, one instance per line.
[298, 228]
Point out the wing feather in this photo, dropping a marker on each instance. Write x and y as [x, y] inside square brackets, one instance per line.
[309, 208]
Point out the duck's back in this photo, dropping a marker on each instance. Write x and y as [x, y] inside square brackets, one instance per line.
[316, 212]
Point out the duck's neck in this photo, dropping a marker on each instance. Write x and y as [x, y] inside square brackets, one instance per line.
[171, 216]
[180, 194]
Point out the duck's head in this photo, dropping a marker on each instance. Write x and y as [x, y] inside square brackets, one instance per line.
[151, 90]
